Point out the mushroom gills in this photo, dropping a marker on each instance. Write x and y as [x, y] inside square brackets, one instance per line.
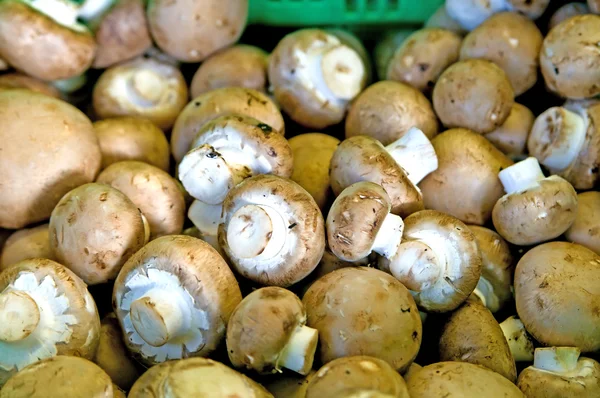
[415, 154]
[299, 352]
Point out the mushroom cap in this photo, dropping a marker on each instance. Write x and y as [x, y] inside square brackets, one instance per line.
[237, 66]
[122, 33]
[586, 228]
[387, 110]
[219, 102]
[362, 158]
[198, 269]
[465, 184]
[76, 323]
[440, 19]
[537, 214]
[343, 375]
[355, 218]
[511, 41]
[584, 172]
[37, 45]
[94, 229]
[567, 11]
[473, 335]
[594, 6]
[151, 190]
[25, 244]
[460, 379]
[533, 9]
[289, 385]
[511, 137]
[557, 291]
[19, 80]
[60, 376]
[54, 149]
[305, 232]
[412, 370]
[423, 56]
[191, 30]
[129, 138]
[312, 153]
[379, 319]
[567, 60]
[474, 94]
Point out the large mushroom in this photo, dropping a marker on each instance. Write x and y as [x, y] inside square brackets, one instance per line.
[586, 228]
[20, 80]
[567, 11]
[45, 310]
[25, 244]
[511, 136]
[471, 13]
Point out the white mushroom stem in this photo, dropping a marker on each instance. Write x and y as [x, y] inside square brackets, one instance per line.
[389, 236]
[556, 359]
[519, 342]
[146, 228]
[416, 265]
[298, 354]
[206, 218]
[147, 86]
[414, 152]
[19, 316]
[485, 291]
[64, 12]
[343, 71]
[93, 9]
[521, 175]
[70, 85]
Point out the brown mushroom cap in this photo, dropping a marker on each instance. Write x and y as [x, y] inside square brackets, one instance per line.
[25, 244]
[237, 66]
[94, 229]
[151, 190]
[567, 11]
[423, 56]
[586, 228]
[566, 57]
[533, 9]
[380, 318]
[558, 295]
[54, 149]
[584, 172]
[220, 102]
[386, 110]
[19, 80]
[128, 138]
[474, 94]
[412, 370]
[466, 183]
[511, 137]
[342, 375]
[192, 30]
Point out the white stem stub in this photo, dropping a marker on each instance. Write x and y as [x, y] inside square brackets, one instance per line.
[521, 176]
[556, 359]
[415, 154]
[343, 71]
[19, 316]
[416, 266]
[298, 355]
[389, 236]
[519, 342]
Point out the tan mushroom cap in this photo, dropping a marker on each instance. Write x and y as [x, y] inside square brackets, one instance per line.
[19, 80]
[474, 94]
[460, 379]
[558, 295]
[465, 184]
[386, 110]
[586, 228]
[129, 138]
[25, 244]
[220, 102]
[511, 136]
[151, 190]
[288, 385]
[237, 66]
[423, 56]
[94, 229]
[594, 6]
[341, 376]
[567, 11]
[122, 33]
[54, 149]
[533, 9]
[379, 318]
[568, 55]
[412, 370]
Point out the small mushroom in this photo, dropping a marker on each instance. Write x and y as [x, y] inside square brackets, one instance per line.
[289, 385]
[386, 47]
[45, 310]
[387, 110]
[19, 80]
[567, 11]
[586, 228]
[533, 9]
[272, 230]
[342, 377]
[143, 88]
[560, 372]
[535, 208]
[267, 331]
[174, 298]
[558, 295]
[474, 94]
[472, 13]
[465, 184]
[511, 136]
[519, 342]
[441, 20]
[94, 229]
[25, 244]
[364, 311]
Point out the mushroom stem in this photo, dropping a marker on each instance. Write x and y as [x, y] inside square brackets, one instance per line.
[206, 218]
[521, 346]
[343, 71]
[63, 12]
[146, 87]
[416, 265]
[389, 236]
[146, 228]
[521, 175]
[19, 316]
[556, 359]
[299, 352]
[92, 9]
[415, 154]
[485, 291]
[70, 85]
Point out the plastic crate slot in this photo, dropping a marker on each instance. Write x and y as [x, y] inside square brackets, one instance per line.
[372, 5]
[351, 5]
[393, 5]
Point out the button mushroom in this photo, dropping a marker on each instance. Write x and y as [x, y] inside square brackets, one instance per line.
[471, 13]
[535, 208]
[272, 230]
[25, 244]
[586, 228]
[315, 76]
[45, 310]
[519, 342]
[174, 298]
[567, 11]
[511, 136]
[19, 80]
[364, 311]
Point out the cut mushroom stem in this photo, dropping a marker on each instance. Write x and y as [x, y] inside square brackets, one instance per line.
[416, 265]
[556, 359]
[146, 87]
[206, 218]
[92, 9]
[64, 12]
[521, 175]
[485, 292]
[299, 352]
[342, 70]
[389, 236]
[414, 152]
[19, 316]
[519, 342]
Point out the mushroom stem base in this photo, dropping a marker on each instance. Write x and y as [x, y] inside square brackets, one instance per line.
[19, 316]
[389, 236]
[299, 353]
[415, 154]
[556, 359]
[521, 346]
[521, 175]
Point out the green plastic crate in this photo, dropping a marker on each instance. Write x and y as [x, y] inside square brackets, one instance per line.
[341, 12]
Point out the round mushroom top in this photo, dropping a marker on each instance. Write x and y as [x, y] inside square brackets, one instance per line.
[195, 377]
[567, 11]
[586, 228]
[25, 244]
[568, 56]
[558, 295]
[45, 310]
[54, 149]
[19, 80]
[143, 88]
[364, 311]
[220, 102]
[511, 137]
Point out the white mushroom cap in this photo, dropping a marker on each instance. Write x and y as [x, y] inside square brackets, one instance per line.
[471, 13]
[586, 228]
